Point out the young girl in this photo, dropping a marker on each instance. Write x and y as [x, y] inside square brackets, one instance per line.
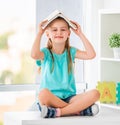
[57, 96]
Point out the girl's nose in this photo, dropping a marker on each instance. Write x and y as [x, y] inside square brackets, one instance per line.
[59, 32]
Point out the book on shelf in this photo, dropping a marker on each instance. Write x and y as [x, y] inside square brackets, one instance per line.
[55, 14]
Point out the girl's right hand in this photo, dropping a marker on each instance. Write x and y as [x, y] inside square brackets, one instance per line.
[40, 28]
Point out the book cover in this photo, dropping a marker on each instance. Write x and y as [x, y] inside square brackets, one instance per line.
[56, 14]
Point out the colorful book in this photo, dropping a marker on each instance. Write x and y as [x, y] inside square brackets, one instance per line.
[56, 14]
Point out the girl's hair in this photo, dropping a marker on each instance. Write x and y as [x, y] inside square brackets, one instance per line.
[67, 47]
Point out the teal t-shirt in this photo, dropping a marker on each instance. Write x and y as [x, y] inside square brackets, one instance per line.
[59, 81]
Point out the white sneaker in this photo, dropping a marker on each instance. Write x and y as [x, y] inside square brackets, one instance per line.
[48, 112]
[95, 109]
[44, 111]
[90, 111]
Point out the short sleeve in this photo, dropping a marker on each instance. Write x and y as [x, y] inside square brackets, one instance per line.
[73, 51]
[38, 63]
[46, 52]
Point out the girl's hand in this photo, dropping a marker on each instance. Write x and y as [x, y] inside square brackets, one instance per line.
[77, 31]
[40, 28]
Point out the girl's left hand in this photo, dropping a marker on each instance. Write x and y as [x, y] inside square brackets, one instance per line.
[77, 31]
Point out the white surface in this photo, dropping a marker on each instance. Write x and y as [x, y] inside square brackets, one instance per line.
[114, 106]
[106, 116]
[16, 118]
[110, 59]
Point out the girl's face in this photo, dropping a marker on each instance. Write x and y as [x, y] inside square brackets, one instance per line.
[58, 31]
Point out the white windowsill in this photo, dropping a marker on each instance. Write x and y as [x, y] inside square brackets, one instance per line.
[19, 87]
[29, 87]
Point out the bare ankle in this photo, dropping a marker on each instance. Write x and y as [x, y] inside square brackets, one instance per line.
[58, 114]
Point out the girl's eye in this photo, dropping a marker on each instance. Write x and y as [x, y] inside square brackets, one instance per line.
[54, 29]
[63, 29]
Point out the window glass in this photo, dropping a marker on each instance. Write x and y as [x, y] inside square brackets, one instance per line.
[17, 33]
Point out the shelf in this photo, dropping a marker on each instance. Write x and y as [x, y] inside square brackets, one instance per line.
[109, 67]
[109, 11]
[110, 59]
[114, 106]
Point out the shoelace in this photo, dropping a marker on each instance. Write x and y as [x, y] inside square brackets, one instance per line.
[51, 112]
[87, 112]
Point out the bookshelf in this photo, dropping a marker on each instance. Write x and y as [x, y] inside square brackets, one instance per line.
[109, 67]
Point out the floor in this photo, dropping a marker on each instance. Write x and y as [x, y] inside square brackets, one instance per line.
[106, 116]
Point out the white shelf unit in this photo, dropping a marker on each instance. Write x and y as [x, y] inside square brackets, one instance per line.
[109, 67]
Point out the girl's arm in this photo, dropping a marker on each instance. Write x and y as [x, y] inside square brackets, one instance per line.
[89, 51]
[35, 52]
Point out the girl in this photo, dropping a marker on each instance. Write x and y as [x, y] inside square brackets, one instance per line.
[57, 96]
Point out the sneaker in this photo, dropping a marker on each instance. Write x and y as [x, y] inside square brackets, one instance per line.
[39, 107]
[90, 111]
[95, 109]
[48, 112]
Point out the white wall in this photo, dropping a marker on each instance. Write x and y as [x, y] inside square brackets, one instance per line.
[112, 4]
[91, 29]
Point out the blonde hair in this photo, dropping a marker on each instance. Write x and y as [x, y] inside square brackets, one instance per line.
[69, 59]
[67, 47]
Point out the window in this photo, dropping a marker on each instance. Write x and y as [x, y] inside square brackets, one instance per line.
[17, 33]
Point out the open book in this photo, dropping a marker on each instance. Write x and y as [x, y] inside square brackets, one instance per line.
[56, 14]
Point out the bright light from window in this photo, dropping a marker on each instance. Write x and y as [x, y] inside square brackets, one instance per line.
[17, 33]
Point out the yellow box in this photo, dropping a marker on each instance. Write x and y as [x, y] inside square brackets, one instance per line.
[107, 91]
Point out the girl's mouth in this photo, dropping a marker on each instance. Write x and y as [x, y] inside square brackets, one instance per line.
[58, 36]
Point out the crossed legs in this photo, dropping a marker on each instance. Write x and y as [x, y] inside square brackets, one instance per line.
[76, 104]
